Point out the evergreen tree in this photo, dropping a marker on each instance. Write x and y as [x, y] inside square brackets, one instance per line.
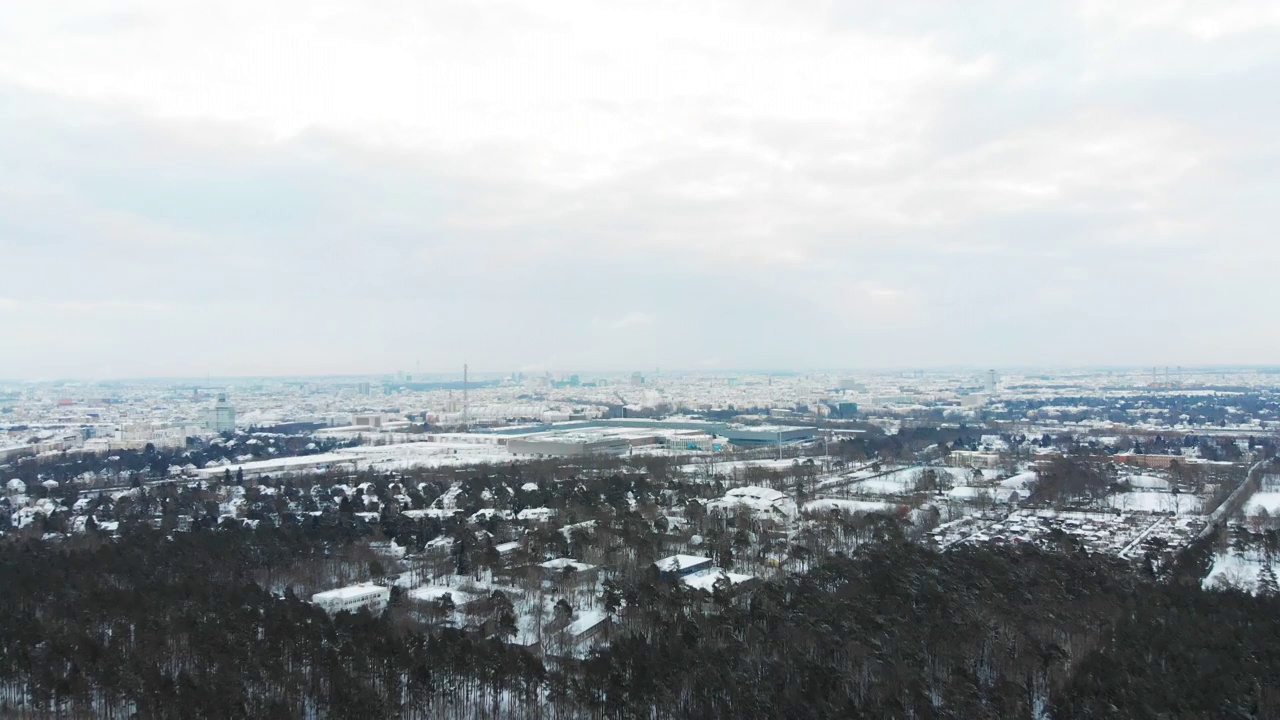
[1267, 586]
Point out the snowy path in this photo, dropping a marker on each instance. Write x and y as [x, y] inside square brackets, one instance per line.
[1124, 554]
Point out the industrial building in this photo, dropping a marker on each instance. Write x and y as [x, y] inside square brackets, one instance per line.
[567, 446]
[352, 598]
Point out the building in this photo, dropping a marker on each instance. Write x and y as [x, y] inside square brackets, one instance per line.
[282, 466]
[843, 410]
[678, 566]
[974, 459]
[760, 502]
[706, 580]
[767, 434]
[567, 446]
[637, 379]
[352, 598]
[13, 451]
[561, 569]
[1163, 462]
[222, 418]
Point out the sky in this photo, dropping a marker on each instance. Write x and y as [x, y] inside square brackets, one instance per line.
[284, 187]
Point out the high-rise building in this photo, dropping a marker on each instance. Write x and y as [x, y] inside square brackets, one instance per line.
[223, 416]
[992, 382]
[636, 378]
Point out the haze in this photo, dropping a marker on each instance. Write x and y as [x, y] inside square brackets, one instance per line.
[292, 187]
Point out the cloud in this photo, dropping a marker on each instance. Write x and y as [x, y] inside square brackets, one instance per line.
[1205, 21]
[525, 184]
[631, 320]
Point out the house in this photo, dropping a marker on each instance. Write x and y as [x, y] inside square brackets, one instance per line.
[352, 598]
[562, 568]
[678, 566]
[538, 515]
[707, 579]
[761, 502]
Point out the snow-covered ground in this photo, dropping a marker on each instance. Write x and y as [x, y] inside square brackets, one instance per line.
[1269, 501]
[1155, 502]
[996, 494]
[1147, 482]
[1098, 531]
[737, 467]
[849, 506]
[1233, 569]
[892, 485]
[1020, 482]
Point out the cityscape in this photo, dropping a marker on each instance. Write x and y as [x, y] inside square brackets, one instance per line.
[533, 508]
[639, 360]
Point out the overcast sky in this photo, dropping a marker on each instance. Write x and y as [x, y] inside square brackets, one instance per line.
[292, 186]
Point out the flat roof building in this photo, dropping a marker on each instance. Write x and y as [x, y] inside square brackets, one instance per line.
[567, 446]
[678, 566]
[352, 598]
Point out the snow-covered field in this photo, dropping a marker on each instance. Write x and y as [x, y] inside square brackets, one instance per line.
[1233, 569]
[736, 467]
[1269, 501]
[849, 506]
[1147, 482]
[1155, 502]
[892, 485]
[1020, 482]
[422, 454]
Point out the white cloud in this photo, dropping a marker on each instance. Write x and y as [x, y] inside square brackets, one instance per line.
[1203, 20]
[631, 320]
[780, 183]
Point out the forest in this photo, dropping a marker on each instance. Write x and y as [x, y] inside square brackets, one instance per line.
[177, 625]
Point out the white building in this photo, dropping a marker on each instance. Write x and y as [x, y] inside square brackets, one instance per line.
[352, 598]
[762, 502]
[678, 566]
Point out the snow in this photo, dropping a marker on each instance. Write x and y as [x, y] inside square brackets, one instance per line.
[1154, 502]
[735, 467]
[893, 485]
[1236, 570]
[432, 593]
[562, 563]
[1021, 481]
[436, 513]
[992, 494]
[1269, 501]
[677, 563]
[758, 499]
[1148, 482]
[349, 593]
[849, 506]
[584, 620]
[706, 580]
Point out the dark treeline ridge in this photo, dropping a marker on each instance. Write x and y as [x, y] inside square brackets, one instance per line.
[173, 626]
